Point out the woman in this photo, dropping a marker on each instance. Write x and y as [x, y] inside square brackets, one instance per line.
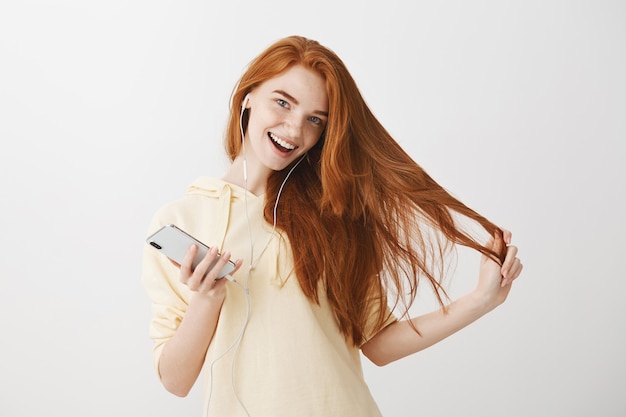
[333, 225]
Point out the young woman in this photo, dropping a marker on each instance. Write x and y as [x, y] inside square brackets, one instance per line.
[332, 225]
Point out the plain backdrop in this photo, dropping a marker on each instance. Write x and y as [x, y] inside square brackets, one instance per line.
[108, 109]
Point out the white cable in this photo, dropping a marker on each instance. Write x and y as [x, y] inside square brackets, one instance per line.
[252, 264]
[245, 289]
[235, 342]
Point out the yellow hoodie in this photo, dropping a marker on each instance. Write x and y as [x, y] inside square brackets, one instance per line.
[292, 360]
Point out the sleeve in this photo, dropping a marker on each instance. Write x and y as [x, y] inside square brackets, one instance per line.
[377, 320]
[169, 298]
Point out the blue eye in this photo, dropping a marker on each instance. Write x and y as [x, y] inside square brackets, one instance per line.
[282, 103]
[316, 120]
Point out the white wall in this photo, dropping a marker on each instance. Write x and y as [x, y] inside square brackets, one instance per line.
[109, 109]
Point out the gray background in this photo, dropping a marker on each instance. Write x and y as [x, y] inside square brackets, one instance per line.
[109, 109]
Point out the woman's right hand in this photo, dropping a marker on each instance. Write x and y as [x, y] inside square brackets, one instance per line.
[183, 355]
[203, 280]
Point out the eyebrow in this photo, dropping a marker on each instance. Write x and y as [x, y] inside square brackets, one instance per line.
[295, 101]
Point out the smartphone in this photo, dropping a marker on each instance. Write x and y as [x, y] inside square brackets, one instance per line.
[174, 243]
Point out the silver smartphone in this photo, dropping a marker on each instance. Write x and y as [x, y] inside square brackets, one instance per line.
[174, 243]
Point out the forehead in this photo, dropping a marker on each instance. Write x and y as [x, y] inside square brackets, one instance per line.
[305, 85]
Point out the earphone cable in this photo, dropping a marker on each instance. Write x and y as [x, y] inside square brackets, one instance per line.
[245, 287]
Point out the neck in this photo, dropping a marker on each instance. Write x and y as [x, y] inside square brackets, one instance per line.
[257, 176]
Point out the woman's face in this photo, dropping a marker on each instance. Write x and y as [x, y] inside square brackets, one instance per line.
[288, 114]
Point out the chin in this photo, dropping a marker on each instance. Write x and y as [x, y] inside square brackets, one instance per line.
[280, 165]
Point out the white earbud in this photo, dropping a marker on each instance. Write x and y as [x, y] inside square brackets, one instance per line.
[244, 103]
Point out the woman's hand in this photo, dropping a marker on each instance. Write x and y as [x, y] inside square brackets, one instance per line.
[494, 281]
[399, 339]
[183, 355]
[203, 280]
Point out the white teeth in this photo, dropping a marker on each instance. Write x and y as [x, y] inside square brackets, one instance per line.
[282, 142]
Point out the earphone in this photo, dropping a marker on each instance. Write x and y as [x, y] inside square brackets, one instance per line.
[245, 287]
[244, 103]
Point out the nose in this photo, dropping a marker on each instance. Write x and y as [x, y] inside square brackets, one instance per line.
[293, 125]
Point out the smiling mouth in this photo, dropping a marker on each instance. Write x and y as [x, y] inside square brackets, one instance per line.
[280, 144]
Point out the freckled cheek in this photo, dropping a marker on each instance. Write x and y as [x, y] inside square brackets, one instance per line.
[265, 117]
[313, 134]
[262, 120]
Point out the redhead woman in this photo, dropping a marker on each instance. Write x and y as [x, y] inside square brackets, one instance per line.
[331, 226]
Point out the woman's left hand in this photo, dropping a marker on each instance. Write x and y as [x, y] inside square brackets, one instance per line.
[494, 281]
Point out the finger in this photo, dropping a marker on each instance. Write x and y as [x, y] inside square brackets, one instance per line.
[511, 253]
[198, 273]
[221, 263]
[238, 264]
[516, 269]
[202, 268]
[187, 263]
[507, 236]
[513, 273]
[213, 274]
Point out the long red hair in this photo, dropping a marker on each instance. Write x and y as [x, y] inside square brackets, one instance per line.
[364, 221]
